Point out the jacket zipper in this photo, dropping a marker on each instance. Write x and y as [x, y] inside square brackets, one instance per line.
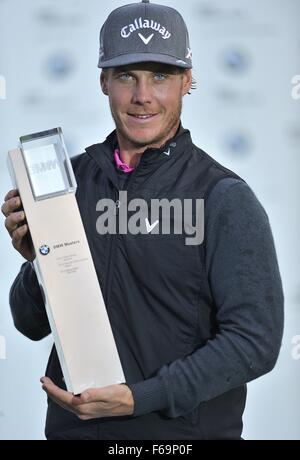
[113, 237]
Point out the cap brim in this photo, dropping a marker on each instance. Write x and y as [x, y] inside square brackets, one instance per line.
[126, 59]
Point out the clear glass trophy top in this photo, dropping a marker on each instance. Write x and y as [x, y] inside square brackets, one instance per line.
[48, 165]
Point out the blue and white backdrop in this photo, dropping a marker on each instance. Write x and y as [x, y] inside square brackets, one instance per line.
[245, 113]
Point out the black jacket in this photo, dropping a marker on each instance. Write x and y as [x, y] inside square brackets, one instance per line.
[192, 323]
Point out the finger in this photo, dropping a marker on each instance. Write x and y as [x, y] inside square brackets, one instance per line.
[92, 410]
[11, 194]
[18, 235]
[93, 395]
[13, 220]
[60, 403]
[11, 205]
[63, 398]
[89, 410]
[82, 399]
[54, 391]
[103, 394]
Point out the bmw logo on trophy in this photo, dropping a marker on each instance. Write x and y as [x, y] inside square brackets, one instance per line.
[44, 250]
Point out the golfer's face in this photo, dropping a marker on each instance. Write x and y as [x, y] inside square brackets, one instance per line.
[146, 101]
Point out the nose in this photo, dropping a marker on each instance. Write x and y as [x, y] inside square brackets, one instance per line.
[142, 93]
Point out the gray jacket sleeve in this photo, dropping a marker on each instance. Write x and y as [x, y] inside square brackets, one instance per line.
[27, 305]
[242, 270]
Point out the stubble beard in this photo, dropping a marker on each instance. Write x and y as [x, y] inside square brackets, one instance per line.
[155, 142]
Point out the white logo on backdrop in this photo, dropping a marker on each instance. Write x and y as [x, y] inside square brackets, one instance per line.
[296, 348]
[296, 87]
[2, 87]
[2, 347]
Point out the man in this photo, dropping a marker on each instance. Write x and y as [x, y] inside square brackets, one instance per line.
[193, 323]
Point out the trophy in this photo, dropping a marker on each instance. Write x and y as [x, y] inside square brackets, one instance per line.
[42, 172]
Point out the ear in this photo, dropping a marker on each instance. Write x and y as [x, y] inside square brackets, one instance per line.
[103, 82]
[187, 81]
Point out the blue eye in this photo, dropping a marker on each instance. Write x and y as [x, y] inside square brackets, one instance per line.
[124, 76]
[159, 76]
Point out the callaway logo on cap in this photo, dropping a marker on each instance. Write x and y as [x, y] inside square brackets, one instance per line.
[143, 32]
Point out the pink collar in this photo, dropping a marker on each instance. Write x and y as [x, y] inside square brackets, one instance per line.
[119, 163]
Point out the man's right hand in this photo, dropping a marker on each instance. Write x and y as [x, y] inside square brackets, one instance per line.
[16, 226]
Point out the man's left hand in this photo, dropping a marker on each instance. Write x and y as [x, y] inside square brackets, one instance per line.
[109, 401]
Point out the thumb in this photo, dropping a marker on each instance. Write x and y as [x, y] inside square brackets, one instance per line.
[86, 397]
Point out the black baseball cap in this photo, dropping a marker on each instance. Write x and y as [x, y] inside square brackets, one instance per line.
[144, 32]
